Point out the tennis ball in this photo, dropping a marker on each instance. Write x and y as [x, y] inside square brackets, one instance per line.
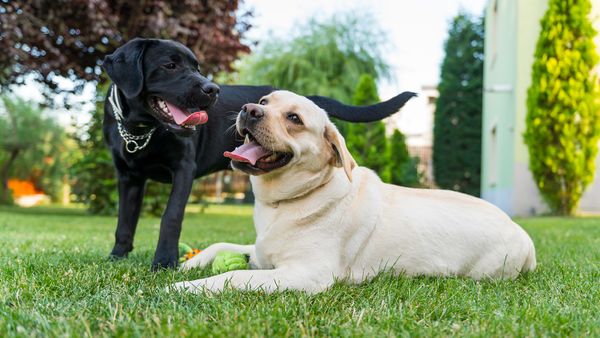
[228, 261]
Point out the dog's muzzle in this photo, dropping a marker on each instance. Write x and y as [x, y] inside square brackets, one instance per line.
[250, 115]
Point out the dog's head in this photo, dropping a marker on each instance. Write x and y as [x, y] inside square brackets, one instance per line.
[162, 83]
[288, 138]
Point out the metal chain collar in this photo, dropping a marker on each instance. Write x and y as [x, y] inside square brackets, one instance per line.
[133, 143]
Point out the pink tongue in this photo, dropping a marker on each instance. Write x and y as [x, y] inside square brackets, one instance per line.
[249, 152]
[180, 117]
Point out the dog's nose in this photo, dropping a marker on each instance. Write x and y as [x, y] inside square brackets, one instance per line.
[210, 89]
[252, 111]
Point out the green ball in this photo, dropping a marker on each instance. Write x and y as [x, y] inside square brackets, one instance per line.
[228, 261]
[184, 248]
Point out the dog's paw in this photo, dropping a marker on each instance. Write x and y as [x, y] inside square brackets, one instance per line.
[164, 262]
[120, 252]
[201, 260]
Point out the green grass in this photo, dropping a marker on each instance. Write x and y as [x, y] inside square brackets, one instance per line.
[55, 280]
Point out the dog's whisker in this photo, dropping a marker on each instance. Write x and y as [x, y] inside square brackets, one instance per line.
[230, 130]
[232, 115]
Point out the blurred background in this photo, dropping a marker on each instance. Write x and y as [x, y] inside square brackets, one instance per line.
[507, 107]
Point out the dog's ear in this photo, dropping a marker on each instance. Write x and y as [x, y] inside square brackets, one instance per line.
[341, 156]
[125, 67]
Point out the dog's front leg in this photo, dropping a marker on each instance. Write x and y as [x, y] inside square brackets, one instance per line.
[131, 194]
[299, 278]
[167, 252]
[207, 255]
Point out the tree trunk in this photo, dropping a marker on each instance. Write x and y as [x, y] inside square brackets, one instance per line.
[4, 172]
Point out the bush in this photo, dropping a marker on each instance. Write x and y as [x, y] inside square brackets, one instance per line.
[562, 124]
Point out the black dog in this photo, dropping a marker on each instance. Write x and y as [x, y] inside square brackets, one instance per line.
[152, 127]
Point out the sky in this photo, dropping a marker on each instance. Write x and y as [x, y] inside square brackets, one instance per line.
[416, 30]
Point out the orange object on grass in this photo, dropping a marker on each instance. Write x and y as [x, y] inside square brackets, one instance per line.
[21, 188]
[189, 255]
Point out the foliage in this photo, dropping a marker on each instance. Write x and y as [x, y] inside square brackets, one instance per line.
[371, 147]
[326, 57]
[95, 184]
[563, 122]
[367, 142]
[32, 147]
[458, 114]
[58, 282]
[156, 198]
[70, 38]
[402, 167]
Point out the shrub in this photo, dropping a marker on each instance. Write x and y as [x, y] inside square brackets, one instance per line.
[562, 123]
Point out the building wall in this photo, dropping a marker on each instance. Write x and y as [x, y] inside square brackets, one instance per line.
[498, 103]
[526, 198]
[512, 30]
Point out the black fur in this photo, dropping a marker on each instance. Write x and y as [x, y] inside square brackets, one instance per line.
[176, 155]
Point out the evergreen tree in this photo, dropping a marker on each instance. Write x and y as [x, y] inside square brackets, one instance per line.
[563, 122]
[367, 141]
[402, 167]
[458, 114]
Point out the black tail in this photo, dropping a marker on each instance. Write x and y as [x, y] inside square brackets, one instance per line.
[371, 113]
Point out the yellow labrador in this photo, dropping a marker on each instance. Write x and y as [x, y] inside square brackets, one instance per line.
[320, 218]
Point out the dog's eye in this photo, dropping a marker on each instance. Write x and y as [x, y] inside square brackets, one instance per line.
[294, 118]
[170, 65]
[263, 102]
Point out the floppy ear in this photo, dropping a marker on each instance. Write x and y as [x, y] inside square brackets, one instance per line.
[341, 155]
[125, 67]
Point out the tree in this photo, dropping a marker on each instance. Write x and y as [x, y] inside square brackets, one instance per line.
[49, 38]
[458, 114]
[32, 146]
[46, 39]
[402, 167]
[338, 57]
[367, 142]
[563, 122]
[327, 58]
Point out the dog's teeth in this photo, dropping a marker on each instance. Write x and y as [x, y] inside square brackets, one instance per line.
[247, 139]
[270, 158]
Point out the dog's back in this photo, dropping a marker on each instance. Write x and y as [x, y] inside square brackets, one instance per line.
[440, 232]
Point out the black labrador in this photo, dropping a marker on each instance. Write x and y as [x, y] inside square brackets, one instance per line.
[157, 127]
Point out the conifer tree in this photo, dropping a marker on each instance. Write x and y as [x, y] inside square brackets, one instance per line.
[563, 122]
[367, 141]
[458, 114]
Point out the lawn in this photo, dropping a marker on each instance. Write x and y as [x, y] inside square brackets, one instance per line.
[56, 281]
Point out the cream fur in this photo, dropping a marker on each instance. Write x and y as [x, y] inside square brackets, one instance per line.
[316, 223]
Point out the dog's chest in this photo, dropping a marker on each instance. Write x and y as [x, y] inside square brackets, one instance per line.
[279, 239]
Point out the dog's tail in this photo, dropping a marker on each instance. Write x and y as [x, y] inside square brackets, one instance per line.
[370, 113]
